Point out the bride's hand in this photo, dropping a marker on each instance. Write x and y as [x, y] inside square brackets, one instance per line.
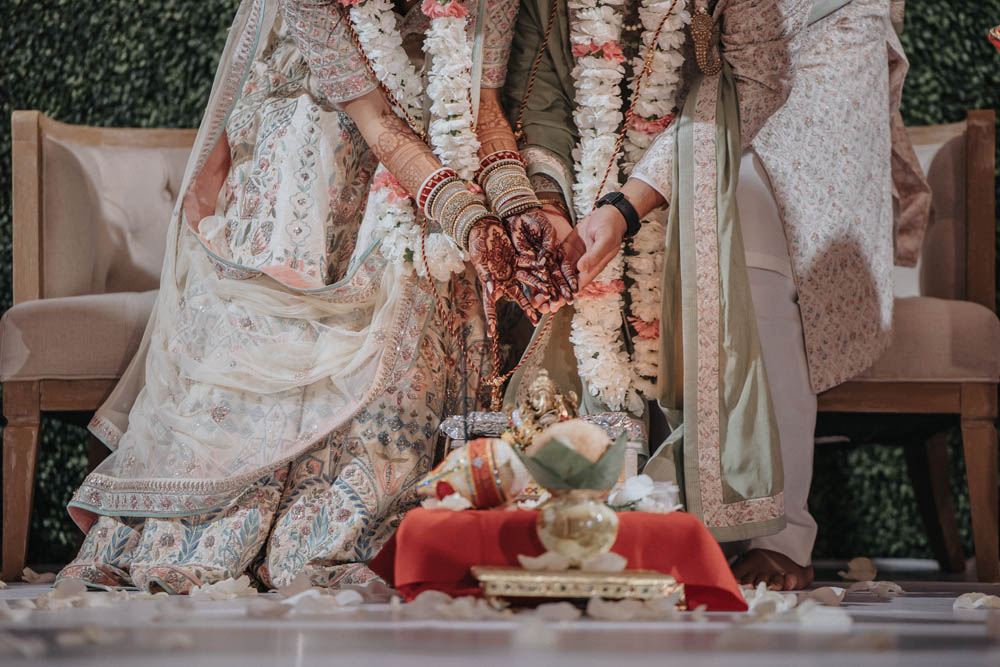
[562, 262]
[535, 239]
[500, 270]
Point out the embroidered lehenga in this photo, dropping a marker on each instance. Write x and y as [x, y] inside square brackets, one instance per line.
[287, 393]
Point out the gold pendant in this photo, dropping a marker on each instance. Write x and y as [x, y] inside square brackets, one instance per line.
[702, 28]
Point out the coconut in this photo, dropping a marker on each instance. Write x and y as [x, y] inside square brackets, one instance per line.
[588, 440]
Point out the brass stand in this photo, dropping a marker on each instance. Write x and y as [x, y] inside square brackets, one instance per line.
[511, 583]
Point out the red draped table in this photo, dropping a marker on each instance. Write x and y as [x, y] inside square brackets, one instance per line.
[434, 549]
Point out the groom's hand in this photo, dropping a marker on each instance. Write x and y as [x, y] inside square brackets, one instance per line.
[601, 231]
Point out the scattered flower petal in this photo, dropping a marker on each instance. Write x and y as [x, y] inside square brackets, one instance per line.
[859, 569]
[557, 612]
[883, 590]
[831, 596]
[33, 577]
[454, 502]
[976, 601]
[700, 614]
[616, 610]
[607, 562]
[227, 589]
[373, 591]
[764, 602]
[302, 582]
[550, 561]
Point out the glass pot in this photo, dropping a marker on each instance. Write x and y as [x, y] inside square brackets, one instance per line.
[577, 524]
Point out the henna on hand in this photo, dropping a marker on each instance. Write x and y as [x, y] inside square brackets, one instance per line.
[496, 263]
[532, 235]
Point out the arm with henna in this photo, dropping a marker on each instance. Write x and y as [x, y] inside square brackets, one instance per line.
[410, 161]
[530, 230]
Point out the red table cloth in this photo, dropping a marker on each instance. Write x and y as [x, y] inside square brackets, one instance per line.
[434, 549]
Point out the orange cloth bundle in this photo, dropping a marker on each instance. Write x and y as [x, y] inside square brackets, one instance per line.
[434, 549]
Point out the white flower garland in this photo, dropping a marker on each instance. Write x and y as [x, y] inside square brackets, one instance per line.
[595, 33]
[655, 110]
[602, 360]
[450, 128]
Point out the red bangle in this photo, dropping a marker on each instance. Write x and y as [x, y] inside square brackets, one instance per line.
[432, 182]
[496, 157]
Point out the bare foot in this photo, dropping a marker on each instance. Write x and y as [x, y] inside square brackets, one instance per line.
[777, 570]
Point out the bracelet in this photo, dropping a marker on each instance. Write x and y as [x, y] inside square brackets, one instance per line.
[433, 181]
[495, 157]
[462, 233]
[447, 186]
[451, 208]
[556, 202]
[507, 187]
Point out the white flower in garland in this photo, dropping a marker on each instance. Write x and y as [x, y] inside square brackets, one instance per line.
[452, 128]
[374, 22]
[396, 225]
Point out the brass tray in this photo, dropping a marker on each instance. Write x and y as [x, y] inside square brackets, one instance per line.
[514, 582]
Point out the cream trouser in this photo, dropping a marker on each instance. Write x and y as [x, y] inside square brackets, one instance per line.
[779, 323]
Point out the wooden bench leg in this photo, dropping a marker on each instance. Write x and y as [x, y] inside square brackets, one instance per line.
[21, 407]
[979, 440]
[927, 463]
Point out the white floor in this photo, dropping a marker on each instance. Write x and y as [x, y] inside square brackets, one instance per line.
[917, 629]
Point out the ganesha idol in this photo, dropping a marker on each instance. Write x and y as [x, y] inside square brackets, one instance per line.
[487, 471]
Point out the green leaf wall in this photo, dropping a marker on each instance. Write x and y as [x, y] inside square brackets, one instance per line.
[150, 63]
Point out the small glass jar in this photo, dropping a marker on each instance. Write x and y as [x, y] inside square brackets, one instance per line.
[577, 524]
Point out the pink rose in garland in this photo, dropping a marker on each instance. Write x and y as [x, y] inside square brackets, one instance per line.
[600, 288]
[351, 3]
[436, 9]
[608, 51]
[397, 193]
[645, 330]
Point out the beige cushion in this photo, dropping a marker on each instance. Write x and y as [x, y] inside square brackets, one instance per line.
[940, 271]
[105, 216]
[939, 340]
[73, 338]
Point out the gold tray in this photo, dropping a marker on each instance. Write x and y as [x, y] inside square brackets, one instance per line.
[515, 582]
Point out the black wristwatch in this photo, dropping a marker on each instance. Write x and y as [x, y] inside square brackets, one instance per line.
[624, 206]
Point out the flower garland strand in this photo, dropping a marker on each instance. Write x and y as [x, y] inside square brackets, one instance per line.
[655, 110]
[595, 33]
[602, 360]
[389, 204]
[449, 85]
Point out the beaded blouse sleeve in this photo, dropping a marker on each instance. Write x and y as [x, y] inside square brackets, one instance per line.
[755, 40]
[498, 31]
[320, 32]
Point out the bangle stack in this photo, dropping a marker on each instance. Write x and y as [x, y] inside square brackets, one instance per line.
[446, 199]
[506, 184]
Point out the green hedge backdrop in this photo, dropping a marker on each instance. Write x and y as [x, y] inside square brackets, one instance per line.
[150, 63]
